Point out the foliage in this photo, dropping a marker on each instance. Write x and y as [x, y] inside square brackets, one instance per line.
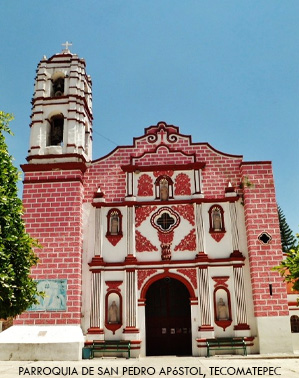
[246, 183]
[289, 267]
[17, 288]
[287, 238]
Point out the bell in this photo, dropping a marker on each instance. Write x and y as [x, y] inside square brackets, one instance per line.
[58, 87]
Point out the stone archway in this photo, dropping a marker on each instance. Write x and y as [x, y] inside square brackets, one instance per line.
[168, 318]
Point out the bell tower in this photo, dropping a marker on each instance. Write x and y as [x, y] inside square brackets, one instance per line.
[61, 120]
[53, 193]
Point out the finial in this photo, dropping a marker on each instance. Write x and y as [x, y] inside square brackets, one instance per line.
[67, 45]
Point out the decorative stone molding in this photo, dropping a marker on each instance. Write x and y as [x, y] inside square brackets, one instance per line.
[143, 274]
[145, 186]
[191, 274]
[142, 212]
[143, 244]
[182, 185]
[188, 243]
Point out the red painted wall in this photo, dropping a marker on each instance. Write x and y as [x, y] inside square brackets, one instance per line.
[261, 216]
[53, 215]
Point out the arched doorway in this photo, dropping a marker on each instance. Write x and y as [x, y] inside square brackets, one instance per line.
[168, 319]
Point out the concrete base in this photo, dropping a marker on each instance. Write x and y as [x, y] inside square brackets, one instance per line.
[274, 334]
[36, 343]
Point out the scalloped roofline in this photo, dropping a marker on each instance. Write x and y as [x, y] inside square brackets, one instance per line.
[163, 126]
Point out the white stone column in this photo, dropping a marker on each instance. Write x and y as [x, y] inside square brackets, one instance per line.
[197, 181]
[204, 300]
[130, 184]
[199, 229]
[131, 303]
[95, 329]
[131, 250]
[95, 300]
[239, 292]
[98, 232]
[234, 226]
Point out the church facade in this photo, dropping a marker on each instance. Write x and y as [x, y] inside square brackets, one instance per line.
[166, 242]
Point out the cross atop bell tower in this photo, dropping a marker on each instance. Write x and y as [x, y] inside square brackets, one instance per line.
[61, 126]
[67, 45]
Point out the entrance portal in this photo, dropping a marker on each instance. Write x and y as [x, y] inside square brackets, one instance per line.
[168, 319]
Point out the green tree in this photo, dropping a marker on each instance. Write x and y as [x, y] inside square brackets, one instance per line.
[17, 289]
[288, 240]
[289, 267]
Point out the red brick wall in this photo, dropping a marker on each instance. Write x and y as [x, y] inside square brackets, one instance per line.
[261, 216]
[53, 215]
[106, 173]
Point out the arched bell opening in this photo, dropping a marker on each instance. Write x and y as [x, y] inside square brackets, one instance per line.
[57, 85]
[55, 130]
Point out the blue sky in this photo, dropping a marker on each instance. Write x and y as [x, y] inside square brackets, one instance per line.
[224, 71]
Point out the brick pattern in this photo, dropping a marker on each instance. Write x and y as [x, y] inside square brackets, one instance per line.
[53, 215]
[261, 215]
[107, 174]
[164, 154]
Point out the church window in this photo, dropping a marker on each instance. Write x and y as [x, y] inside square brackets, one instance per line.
[114, 222]
[294, 324]
[165, 221]
[164, 188]
[58, 87]
[265, 238]
[55, 135]
[216, 219]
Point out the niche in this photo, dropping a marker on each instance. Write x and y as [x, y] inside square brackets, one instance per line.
[222, 303]
[216, 218]
[113, 316]
[114, 226]
[164, 188]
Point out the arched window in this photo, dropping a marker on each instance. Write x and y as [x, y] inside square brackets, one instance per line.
[114, 222]
[55, 137]
[164, 188]
[294, 324]
[216, 219]
[58, 87]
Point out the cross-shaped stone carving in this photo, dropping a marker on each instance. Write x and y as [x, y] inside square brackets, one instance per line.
[162, 133]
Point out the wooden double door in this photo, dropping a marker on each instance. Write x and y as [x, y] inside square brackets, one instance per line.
[168, 319]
